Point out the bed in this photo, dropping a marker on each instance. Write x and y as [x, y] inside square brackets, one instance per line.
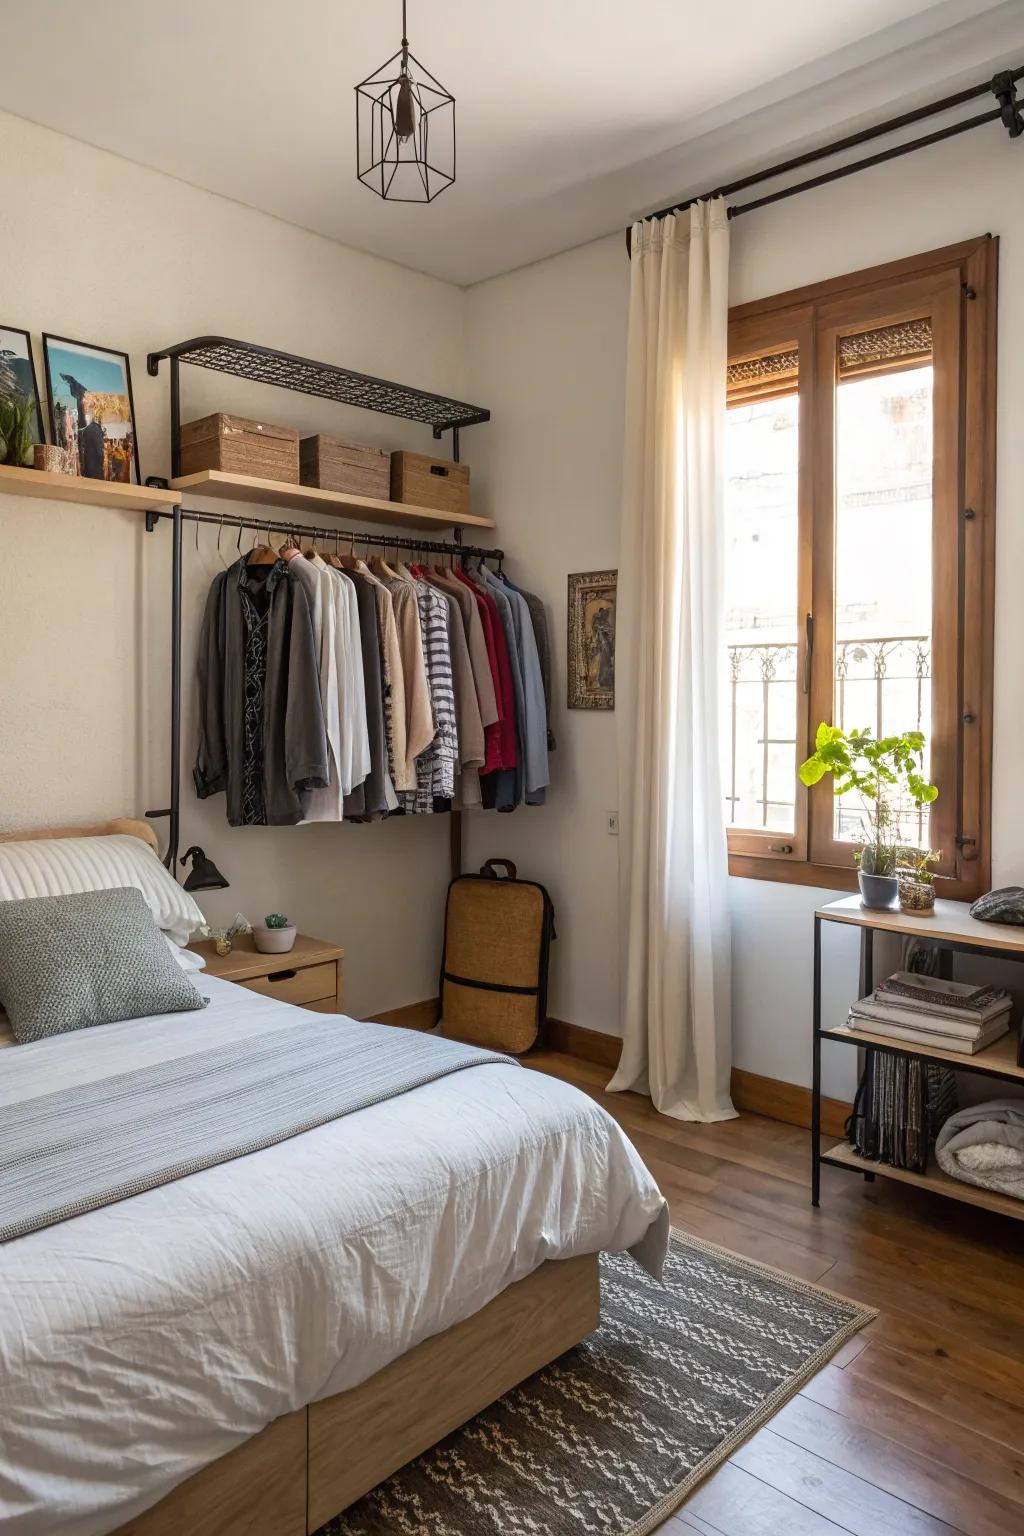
[250, 1348]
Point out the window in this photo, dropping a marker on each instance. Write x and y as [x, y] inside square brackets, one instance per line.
[859, 555]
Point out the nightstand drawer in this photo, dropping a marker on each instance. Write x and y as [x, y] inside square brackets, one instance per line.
[291, 985]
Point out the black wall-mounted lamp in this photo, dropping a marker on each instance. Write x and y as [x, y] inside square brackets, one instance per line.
[204, 874]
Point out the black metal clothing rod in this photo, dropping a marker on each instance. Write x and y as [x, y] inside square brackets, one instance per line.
[330, 537]
[1009, 111]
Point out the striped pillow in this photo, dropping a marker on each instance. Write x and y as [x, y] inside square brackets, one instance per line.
[69, 866]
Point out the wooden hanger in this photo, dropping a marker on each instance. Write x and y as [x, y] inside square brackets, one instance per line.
[348, 562]
[262, 554]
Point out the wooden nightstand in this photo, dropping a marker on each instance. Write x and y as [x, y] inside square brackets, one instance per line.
[310, 975]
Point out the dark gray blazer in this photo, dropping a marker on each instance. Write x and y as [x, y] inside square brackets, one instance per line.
[294, 739]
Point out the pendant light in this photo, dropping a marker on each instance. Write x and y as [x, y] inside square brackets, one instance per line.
[405, 130]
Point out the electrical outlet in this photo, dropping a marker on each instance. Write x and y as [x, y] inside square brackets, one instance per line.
[613, 823]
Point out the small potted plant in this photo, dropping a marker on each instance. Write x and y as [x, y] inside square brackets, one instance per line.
[917, 881]
[884, 773]
[276, 936]
[17, 428]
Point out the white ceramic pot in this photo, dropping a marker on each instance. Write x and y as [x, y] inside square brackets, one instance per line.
[273, 941]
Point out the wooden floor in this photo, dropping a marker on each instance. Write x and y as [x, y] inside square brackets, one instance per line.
[917, 1427]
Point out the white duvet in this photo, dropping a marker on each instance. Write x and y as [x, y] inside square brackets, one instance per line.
[144, 1340]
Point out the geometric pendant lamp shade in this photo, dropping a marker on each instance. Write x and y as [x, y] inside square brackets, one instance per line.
[405, 130]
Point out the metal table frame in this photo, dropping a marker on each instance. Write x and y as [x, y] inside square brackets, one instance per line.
[948, 948]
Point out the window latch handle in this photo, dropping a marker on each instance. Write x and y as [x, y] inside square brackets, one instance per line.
[808, 650]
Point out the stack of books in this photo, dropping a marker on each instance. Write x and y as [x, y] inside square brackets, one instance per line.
[939, 1015]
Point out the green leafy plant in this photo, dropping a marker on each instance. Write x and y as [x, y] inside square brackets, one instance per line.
[17, 428]
[277, 920]
[914, 864]
[884, 773]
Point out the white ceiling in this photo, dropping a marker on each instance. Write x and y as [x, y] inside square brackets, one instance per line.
[573, 115]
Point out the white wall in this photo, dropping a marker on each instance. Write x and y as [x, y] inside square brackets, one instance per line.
[546, 351]
[104, 251]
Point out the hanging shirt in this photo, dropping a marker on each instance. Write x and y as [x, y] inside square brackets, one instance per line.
[419, 717]
[393, 680]
[483, 678]
[509, 794]
[500, 744]
[355, 741]
[502, 789]
[468, 724]
[535, 727]
[259, 688]
[539, 619]
[323, 804]
[370, 799]
[436, 765]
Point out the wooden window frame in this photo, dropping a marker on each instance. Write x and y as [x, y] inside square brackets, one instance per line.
[957, 286]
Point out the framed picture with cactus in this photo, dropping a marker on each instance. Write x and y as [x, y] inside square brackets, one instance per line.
[21, 415]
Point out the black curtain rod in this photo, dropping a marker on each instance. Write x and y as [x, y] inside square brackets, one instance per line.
[328, 536]
[1002, 86]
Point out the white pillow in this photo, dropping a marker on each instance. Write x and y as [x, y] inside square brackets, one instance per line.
[186, 958]
[66, 866]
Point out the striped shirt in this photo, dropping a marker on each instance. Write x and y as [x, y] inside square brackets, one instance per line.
[436, 767]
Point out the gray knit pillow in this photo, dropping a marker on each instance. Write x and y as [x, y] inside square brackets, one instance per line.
[70, 961]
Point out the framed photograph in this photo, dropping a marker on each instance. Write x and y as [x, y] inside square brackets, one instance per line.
[91, 408]
[592, 600]
[18, 371]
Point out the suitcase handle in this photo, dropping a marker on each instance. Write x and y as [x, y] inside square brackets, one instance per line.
[440, 469]
[491, 868]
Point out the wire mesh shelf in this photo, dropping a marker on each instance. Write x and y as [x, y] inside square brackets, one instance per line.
[264, 365]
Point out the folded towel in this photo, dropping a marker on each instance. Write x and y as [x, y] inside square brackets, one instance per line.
[984, 1145]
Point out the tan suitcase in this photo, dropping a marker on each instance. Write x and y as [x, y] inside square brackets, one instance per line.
[494, 966]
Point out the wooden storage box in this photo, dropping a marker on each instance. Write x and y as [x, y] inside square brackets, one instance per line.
[333, 465]
[425, 482]
[238, 446]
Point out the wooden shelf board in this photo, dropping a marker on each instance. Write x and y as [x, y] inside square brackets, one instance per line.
[952, 922]
[306, 498]
[940, 1183]
[96, 493]
[1001, 1056]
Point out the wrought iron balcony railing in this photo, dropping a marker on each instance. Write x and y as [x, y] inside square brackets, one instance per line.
[881, 683]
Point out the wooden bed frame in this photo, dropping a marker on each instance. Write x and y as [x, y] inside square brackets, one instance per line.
[309, 1465]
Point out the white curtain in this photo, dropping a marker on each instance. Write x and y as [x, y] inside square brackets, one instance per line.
[673, 899]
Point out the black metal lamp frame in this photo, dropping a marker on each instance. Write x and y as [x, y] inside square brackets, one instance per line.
[397, 166]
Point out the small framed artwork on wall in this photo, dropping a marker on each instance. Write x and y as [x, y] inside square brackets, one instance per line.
[92, 413]
[592, 603]
[18, 388]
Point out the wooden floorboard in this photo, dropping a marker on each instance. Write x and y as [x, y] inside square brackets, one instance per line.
[917, 1426]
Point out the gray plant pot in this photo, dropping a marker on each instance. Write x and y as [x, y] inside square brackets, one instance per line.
[879, 893]
[273, 941]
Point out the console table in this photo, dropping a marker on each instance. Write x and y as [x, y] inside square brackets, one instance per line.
[953, 931]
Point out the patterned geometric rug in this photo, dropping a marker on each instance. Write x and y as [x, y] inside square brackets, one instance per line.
[610, 1438]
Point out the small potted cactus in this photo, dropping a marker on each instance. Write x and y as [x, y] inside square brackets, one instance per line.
[276, 936]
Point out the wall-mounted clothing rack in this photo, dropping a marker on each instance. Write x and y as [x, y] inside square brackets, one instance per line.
[265, 365]
[327, 381]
